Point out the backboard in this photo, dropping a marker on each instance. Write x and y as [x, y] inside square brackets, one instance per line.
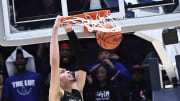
[30, 26]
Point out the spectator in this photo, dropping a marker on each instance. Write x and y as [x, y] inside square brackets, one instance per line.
[138, 89]
[67, 58]
[103, 88]
[116, 67]
[23, 84]
[42, 60]
[120, 74]
[43, 66]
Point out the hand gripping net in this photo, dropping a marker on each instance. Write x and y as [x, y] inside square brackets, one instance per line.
[94, 21]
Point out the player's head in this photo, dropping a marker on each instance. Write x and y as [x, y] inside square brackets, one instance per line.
[66, 77]
[103, 54]
[20, 62]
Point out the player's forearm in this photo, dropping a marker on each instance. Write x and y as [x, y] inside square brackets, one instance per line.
[54, 49]
[54, 89]
[53, 97]
[75, 44]
[78, 50]
[80, 79]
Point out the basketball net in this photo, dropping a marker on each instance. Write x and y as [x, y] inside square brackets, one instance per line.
[94, 21]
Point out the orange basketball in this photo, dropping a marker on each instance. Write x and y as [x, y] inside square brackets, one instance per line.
[110, 40]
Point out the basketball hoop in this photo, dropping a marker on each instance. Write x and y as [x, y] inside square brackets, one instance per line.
[94, 21]
[108, 34]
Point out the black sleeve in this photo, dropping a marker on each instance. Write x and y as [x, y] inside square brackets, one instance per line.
[77, 49]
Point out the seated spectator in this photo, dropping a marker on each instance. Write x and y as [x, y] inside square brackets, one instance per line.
[138, 89]
[103, 88]
[23, 84]
[117, 69]
[120, 74]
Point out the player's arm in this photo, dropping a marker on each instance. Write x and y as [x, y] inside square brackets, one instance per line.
[77, 49]
[55, 91]
[80, 80]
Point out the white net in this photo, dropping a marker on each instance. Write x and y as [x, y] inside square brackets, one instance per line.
[97, 24]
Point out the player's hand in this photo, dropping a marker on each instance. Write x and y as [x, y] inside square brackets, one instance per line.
[67, 27]
[57, 22]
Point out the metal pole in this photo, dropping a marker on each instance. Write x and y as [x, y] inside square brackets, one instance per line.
[121, 9]
[64, 7]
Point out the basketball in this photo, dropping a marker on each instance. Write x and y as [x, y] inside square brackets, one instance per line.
[108, 40]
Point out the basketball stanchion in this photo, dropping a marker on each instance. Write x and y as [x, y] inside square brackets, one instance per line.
[108, 32]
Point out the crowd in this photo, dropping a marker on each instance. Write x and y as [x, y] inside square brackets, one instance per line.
[25, 73]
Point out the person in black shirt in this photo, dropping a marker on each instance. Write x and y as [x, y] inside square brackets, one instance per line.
[68, 60]
[63, 85]
[103, 87]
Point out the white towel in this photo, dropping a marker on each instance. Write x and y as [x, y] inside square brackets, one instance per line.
[30, 66]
